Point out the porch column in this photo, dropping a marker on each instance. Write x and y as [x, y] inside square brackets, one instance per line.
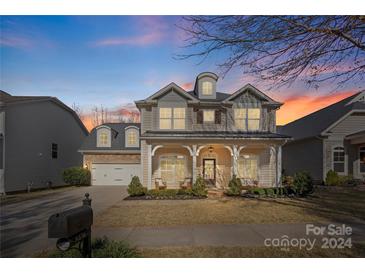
[194, 155]
[149, 166]
[235, 159]
[278, 166]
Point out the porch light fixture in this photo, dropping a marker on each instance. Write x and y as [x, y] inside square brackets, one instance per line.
[210, 149]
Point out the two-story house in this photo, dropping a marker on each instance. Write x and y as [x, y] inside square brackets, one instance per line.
[39, 138]
[184, 134]
[208, 133]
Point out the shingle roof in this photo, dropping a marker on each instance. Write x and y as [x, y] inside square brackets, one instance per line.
[118, 137]
[215, 134]
[220, 96]
[8, 99]
[316, 122]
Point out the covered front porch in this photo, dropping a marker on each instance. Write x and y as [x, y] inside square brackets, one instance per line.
[176, 165]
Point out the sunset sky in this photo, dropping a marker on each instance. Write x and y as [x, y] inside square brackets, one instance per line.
[114, 60]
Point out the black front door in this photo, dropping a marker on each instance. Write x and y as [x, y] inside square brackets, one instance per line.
[209, 170]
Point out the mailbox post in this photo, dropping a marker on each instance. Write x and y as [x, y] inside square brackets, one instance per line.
[73, 227]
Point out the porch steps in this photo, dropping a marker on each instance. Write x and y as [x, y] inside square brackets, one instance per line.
[361, 187]
[215, 193]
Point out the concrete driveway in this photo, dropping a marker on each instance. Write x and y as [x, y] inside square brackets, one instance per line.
[23, 225]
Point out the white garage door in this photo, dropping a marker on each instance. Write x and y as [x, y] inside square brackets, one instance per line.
[114, 174]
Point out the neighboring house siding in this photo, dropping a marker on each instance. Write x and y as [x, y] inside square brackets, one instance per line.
[30, 131]
[351, 124]
[303, 155]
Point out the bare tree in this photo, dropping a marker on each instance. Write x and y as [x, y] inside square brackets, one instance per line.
[100, 115]
[281, 49]
[78, 110]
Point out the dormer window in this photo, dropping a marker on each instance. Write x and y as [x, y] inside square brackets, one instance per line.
[132, 137]
[207, 88]
[103, 136]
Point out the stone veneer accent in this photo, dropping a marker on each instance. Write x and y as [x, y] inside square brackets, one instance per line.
[89, 159]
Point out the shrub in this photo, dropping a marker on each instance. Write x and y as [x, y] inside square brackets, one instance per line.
[234, 187]
[77, 176]
[162, 192]
[269, 192]
[258, 191]
[302, 184]
[288, 181]
[101, 248]
[199, 188]
[332, 178]
[135, 188]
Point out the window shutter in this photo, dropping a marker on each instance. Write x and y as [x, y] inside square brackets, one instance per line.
[217, 116]
[199, 117]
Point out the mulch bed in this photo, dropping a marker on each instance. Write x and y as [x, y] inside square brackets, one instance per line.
[177, 197]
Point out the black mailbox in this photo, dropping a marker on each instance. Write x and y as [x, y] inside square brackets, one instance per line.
[71, 222]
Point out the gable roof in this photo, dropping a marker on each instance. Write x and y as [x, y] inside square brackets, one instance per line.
[118, 138]
[10, 100]
[255, 91]
[315, 123]
[168, 88]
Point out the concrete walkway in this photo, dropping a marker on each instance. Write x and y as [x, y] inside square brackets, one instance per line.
[213, 234]
[23, 224]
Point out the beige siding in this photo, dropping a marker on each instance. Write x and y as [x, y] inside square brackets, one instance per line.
[144, 161]
[146, 119]
[350, 124]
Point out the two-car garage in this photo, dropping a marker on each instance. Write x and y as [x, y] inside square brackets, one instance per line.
[114, 174]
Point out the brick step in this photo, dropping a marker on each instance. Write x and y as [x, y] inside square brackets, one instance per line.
[215, 192]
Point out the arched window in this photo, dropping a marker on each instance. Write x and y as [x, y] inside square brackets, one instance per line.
[339, 159]
[362, 159]
[103, 136]
[132, 137]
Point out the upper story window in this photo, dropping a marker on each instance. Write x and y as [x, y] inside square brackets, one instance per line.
[103, 137]
[132, 137]
[362, 159]
[54, 151]
[172, 118]
[208, 116]
[247, 118]
[207, 88]
[339, 159]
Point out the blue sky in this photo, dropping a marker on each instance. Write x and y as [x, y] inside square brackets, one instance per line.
[109, 60]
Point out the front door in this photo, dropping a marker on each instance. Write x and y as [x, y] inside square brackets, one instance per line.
[209, 171]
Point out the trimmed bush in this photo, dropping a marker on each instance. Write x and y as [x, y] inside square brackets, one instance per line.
[234, 187]
[302, 184]
[332, 178]
[269, 192]
[135, 188]
[258, 191]
[162, 192]
[199, 188]
[77, 176]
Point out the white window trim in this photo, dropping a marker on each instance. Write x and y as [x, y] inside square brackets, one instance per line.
[246, 119]
[166, 155]
[208, 122]
[360, 149]
[333, 162]
[127, 131]
[172, 118]
[108, 132]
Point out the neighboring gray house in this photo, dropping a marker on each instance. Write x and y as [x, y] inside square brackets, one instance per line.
[39, 138]
[112, 153]
[332, 138]
[184, 134]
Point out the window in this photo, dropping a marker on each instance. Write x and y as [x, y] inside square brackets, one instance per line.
[208, 116]
[172, 168]
[253, 119]
[247, 118]
[54, 151]
[247, 167]
[207, 88]
[103, 137]
[339, 159]
[240, 118]
[362, 159]
[172, 118]
[132, 137]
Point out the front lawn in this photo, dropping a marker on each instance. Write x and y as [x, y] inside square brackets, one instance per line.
[322, 206]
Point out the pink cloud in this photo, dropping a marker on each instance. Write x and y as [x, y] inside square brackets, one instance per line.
[187, 86]
[154, 31]
[15, 41]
